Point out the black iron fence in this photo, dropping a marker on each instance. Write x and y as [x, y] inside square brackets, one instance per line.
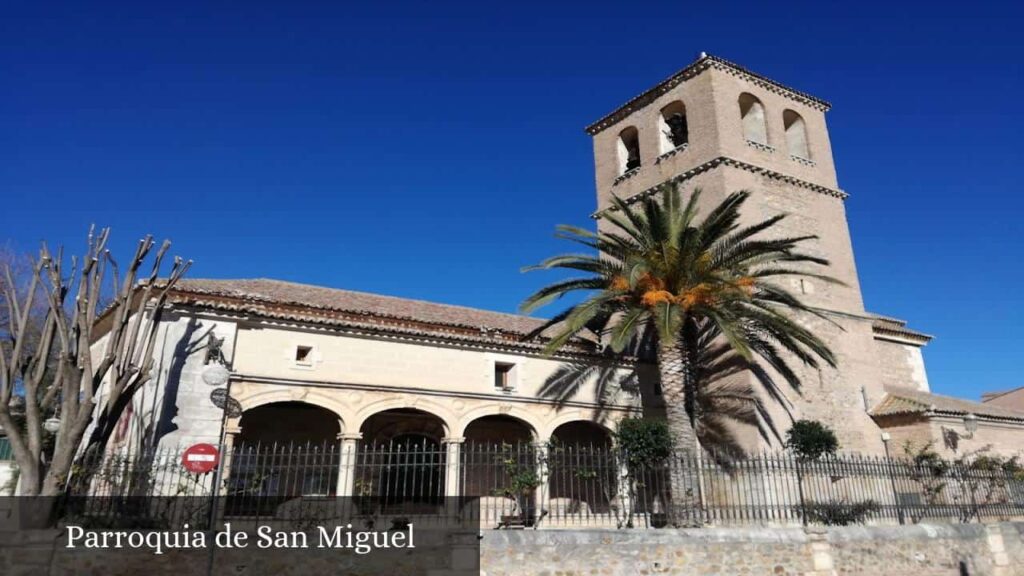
[560, 486]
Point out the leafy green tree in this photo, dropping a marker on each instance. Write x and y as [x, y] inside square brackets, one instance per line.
[810, 440]
[661, 280]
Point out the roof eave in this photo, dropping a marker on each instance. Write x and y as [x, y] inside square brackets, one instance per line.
[702, 63]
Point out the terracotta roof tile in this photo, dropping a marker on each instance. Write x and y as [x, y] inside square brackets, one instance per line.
[262, 292]
[896, 327]
[906, 401]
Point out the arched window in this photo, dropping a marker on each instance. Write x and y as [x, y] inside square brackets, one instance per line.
[752, 115]
[796, 135]
[672, 127]
[629, 149]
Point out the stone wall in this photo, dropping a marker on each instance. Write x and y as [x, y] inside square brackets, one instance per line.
[921, 550]
[992, 436]
[901, 365]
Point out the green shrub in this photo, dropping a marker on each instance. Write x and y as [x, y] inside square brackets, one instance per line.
[926, 459]
[838, 512]
[644, 441]
[810, 440]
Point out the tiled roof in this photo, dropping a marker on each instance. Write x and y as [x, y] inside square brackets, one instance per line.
[884, 325]
[906, 401]
[317, 304]
[989, 396]
[703, 62]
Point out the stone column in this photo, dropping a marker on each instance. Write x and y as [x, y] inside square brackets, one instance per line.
[452, 473]
[1001, 565]
[231, 432]
[453, 465]
[543, 492]
[820, 550]
[348, 446]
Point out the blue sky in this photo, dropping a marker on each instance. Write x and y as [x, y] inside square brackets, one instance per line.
[427, 149]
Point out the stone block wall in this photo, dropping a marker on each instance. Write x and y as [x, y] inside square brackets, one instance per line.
[918, 550]
[921, 550]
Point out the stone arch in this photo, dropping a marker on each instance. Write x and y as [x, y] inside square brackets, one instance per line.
[402, 459]
[581, 444]
[253, 399]
[494, 429]
[572, 416]
[419, 403]
[752, 117]
[796, 134]
[628, 149]
[267, 439]
[288, 423]
[516, 412]
[673, 130]
[578, 430]
[404, 428]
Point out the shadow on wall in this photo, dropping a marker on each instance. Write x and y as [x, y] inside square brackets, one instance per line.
[186, 346]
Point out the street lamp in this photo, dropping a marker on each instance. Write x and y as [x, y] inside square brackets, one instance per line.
[52, 424]
[215, 374]
[886, 437]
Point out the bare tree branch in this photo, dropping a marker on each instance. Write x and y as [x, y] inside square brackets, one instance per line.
[47, 356]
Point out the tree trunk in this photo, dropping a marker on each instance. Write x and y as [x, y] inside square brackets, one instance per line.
[677, 388]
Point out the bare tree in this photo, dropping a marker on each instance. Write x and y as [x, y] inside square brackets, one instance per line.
[59, 363]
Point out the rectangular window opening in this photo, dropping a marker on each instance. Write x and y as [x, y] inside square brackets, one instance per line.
[304, 355]
[503, 375]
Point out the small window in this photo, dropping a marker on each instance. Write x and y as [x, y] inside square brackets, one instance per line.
[304, 355]
[503, 376]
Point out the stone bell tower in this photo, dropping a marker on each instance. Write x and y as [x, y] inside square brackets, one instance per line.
[721, 128]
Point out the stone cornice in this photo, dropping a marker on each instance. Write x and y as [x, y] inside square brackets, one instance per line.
[705, 62]
[731, 162]
[503, 398]
[901, 336]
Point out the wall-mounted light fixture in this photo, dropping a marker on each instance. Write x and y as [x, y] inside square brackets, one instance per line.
[970, 425]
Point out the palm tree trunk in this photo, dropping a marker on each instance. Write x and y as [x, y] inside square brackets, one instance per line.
[677, 387]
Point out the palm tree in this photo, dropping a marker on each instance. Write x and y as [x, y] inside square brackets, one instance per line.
[665, 282]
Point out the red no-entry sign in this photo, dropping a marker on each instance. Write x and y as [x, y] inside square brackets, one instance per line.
[200, 458]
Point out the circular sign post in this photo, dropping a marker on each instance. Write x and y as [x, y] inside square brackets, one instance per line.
[200, 458]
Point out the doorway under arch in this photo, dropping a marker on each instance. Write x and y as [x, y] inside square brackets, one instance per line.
[583, 470]
[400, 465]
[285, 450]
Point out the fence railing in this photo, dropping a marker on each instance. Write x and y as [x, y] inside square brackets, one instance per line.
[526, 485]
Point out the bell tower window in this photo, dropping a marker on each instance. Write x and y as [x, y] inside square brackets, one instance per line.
[796, 135]
[629, 149]
[755, 130]
[673, 128]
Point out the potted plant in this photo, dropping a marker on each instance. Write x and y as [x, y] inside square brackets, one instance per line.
[522, 481]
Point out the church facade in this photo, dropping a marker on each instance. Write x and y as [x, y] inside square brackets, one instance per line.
[315, 364]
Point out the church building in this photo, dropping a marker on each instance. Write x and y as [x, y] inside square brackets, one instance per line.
[318, 364]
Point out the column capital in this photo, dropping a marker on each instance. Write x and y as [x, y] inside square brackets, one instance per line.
[232, 429]
[350, 436]
[453, 440]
